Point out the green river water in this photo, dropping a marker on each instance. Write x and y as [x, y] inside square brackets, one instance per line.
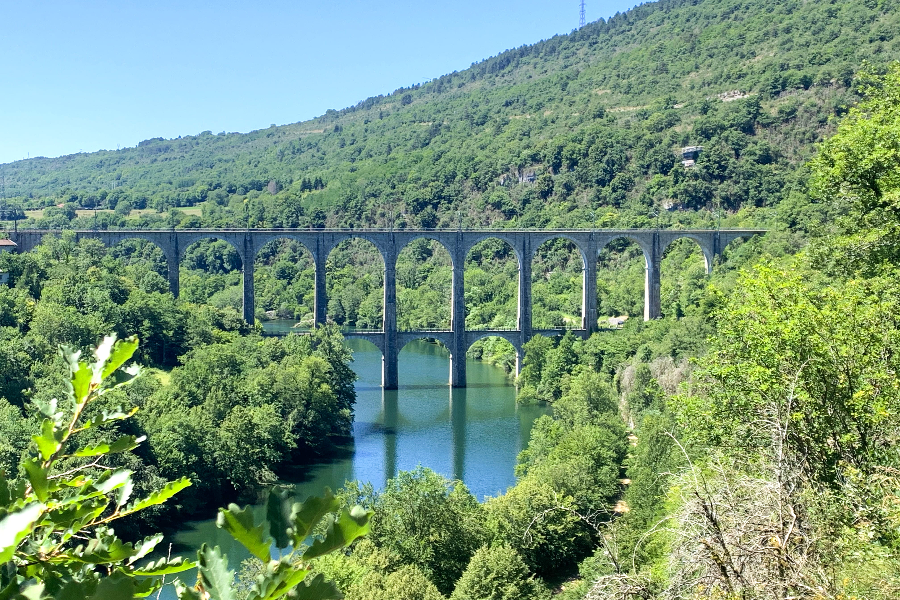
[472, 434]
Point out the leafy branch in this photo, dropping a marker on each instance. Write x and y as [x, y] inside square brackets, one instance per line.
[55, 539]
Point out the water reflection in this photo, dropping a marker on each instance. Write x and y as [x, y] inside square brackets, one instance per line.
[472, 434]
[389, 410]
[458, 419]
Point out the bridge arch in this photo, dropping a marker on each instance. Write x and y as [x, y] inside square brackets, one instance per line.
[377, 239]
[683, 272]
[623, 262]
[285, 268]
[727, 238]
[559, 280]
[358, 265]
[708, 253]
[492, 290]
[539, 240]
[511, 338]
[425, 337]
[439, 239]
[146, 249]
[424, 284]
[509, 238]
[190, 239]
[375, 339]
[225, 283]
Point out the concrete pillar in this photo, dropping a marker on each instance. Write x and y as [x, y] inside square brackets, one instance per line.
[458, 318]
[389, 370]
[711, 250]
[248, 259]
[524, 319]
[651, 281]
[173, 264]
[320, 296]
[590, 286]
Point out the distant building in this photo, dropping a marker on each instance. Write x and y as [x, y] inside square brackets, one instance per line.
[690, 154]
[8, 246]
[617, 322]
[4, 277]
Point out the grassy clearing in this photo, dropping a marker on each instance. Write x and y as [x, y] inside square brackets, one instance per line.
[164, 377]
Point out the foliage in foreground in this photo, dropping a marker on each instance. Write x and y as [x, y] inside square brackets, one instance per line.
[56, 539]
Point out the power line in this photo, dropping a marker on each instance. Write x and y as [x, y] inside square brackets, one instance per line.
[581, 16]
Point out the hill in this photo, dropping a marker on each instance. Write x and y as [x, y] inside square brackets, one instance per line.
[589, 123]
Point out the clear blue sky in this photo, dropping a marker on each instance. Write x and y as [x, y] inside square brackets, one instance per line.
[90, 75]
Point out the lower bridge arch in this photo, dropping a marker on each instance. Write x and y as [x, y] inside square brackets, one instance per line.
[444, 338]
[513, 337]
[376, 339]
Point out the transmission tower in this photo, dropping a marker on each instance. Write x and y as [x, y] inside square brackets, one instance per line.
[581, 15]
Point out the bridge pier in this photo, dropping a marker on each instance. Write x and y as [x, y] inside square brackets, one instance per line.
[248, 261]
[651, 281]
[389, 368]
[320, 296]
[173, 264]
[520, 360]
[458, 314]
[589, 300]
[524, 308]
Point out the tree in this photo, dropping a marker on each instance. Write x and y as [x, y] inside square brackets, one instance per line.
[498, 573]
[429, 522]
[856, 178]
[818, 357]
[124, 208]
[541, 524]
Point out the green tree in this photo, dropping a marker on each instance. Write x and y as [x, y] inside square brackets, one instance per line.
[541, 524]
[56, 523]
[429, 522]
[856, 178]
[498, 573]
[815, 357]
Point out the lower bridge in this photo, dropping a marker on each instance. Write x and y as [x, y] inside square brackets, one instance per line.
[389, 242]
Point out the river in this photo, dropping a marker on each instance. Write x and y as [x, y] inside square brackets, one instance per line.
[473, 434]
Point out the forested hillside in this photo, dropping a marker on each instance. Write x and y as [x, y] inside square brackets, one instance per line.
[742, 446]
[578, 128]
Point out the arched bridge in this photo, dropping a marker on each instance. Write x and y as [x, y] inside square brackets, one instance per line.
[320, 242]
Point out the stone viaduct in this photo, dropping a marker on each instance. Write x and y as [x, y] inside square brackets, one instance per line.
[458, 243]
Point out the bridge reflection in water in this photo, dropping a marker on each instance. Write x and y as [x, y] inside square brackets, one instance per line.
[472, 434]
[588, 242]
[476, 440]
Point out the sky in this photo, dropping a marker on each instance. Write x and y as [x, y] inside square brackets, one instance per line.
[85, 75]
